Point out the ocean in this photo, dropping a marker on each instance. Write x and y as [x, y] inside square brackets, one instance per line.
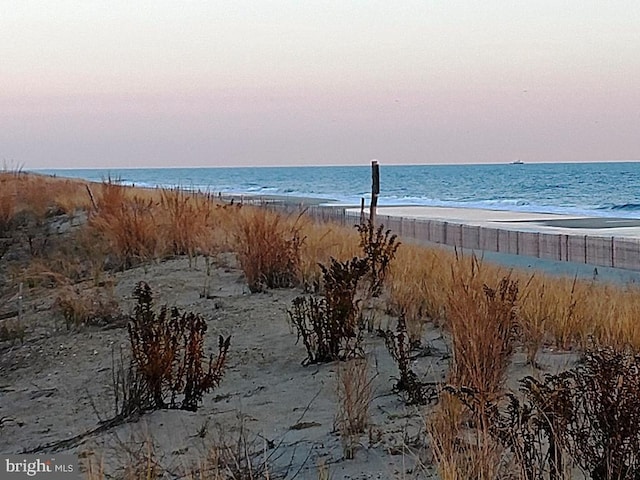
[592, 189]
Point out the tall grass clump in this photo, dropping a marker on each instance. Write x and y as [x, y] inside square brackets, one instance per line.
[268, 247]
[481, 320]
[7, 204]
[419, 281]
[186, 216]
[128, 224]
[458, 451]
[354, 392]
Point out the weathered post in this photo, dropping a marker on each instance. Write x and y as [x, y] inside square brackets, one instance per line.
[375, 190]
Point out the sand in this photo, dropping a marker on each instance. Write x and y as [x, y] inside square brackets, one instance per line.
[57, 385]
[522, 221]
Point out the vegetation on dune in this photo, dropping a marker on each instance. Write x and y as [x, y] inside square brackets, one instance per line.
[57, 233]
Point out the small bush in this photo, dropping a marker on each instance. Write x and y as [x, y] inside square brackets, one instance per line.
[602, 430]
[168, 352]
[399, 347]
[329, 327]
[589, 416]
[379, 247]
[269, 250]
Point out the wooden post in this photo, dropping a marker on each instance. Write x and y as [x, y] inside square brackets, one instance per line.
[362, 211]
[375, 190]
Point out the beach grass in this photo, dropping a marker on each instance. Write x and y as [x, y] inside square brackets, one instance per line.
[140, 225]
[486, 311]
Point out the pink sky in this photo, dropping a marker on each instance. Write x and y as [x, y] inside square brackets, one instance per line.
[202, 83]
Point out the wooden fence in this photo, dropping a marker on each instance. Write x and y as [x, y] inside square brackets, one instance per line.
[617, 252]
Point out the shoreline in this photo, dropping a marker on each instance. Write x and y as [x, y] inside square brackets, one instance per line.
[519, 221]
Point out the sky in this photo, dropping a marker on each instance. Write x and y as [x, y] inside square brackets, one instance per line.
[234, 83]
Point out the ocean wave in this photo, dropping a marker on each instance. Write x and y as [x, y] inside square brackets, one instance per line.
[569, 189]
[631, 207]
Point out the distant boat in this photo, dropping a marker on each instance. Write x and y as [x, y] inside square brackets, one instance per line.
[517, 162]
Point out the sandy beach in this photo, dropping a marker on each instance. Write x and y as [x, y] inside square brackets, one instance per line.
[520, 221]
[58, 360]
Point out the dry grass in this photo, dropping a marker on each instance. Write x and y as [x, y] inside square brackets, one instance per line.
[140, 225]
[98, 307]
[40, 195]
[354, 392]
[128, 225]
[461, 452]
[187, 217]
[481, 319]
[269, 249]
[323, 242]
[7, 202]
[477, 303]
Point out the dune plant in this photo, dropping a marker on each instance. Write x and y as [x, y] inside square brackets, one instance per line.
[537, 311]
[399, 347]
[458, 451]
[329, 327]
[602, 423]
[12, 330]
[186, 220]
[588, 416]
[7, 206]
[167, 350]
[379, 247]
[481, 320]
[98, 308]
[129, 225]
[268, 247]
[354, 393]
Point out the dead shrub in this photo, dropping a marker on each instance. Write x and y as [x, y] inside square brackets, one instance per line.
[235, 455]
[399, 347]
[268, 247]
[131, 397]
[167, 350]
[330, 326]
[588, 415]
[379, 247]
[602, 417]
